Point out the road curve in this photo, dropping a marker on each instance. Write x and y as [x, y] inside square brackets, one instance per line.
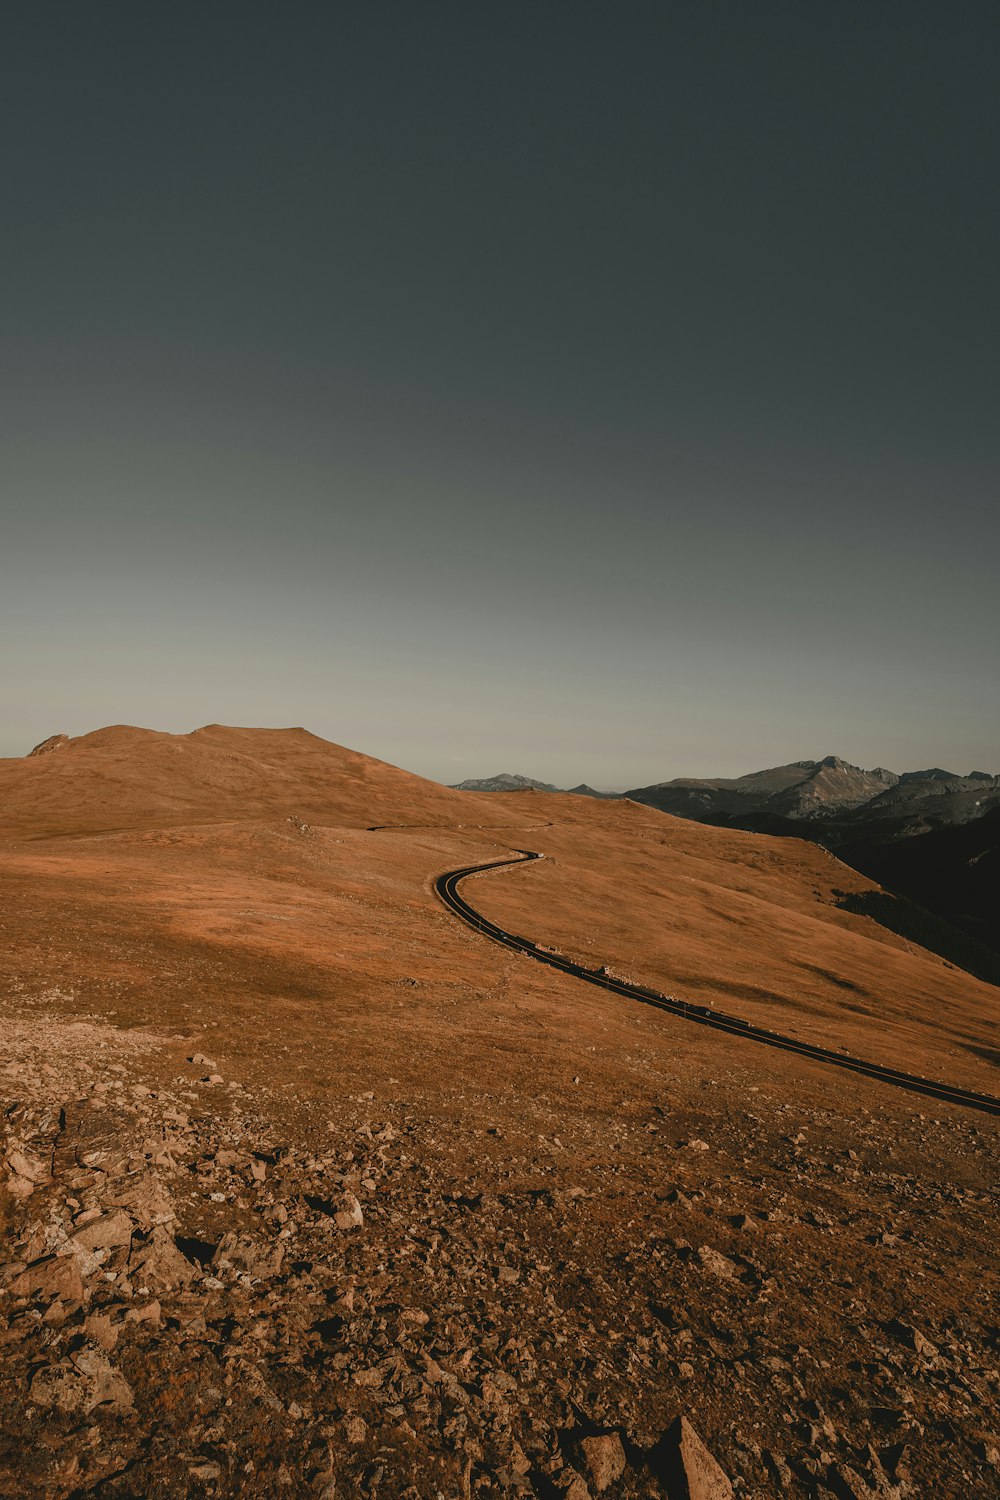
[446, 887]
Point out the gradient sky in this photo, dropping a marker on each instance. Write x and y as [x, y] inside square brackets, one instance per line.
[602, 392]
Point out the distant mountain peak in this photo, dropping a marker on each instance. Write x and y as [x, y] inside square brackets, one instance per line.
[504, 782]
[799, 790]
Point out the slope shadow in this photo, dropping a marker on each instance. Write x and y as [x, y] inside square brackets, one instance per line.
[908, 920]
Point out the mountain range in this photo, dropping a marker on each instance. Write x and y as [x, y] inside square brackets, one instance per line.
[931, 836]
[845, 800]
[505, 782]
[841, 802]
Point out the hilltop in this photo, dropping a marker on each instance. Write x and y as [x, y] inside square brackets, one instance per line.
[129, 778]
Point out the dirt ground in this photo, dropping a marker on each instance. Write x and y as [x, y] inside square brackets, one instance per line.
[309, 1189]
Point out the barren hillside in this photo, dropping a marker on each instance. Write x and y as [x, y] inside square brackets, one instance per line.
[312, 1190]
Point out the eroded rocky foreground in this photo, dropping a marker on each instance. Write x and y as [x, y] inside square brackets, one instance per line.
[209, 1290]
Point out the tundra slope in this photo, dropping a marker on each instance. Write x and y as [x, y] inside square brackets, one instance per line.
[312, 1190]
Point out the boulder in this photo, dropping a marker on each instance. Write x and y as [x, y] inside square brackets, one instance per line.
[159, 1263]
[686, 1467]
[602, 1459]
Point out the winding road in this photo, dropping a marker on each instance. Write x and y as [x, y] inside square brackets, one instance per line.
[446, 887]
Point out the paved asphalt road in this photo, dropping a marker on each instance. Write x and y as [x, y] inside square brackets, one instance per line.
[447, 885]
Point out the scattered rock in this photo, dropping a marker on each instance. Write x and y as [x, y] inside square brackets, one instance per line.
[82, 1383]
[864, 1481]
[572, 1485]
[349, 1214]
[207, 1473]
[27, 1165]
[719, 1264]
[159, 1263]
[912, 1338]
[99, 1328]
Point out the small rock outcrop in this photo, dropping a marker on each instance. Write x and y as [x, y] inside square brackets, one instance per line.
[54, 742]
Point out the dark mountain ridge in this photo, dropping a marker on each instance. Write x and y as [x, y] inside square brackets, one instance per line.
[831, 791]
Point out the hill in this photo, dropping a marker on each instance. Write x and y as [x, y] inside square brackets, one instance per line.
[953, 870]
[309, 1187]
[123, 777]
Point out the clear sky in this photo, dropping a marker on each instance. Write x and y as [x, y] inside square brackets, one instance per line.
[603, 392]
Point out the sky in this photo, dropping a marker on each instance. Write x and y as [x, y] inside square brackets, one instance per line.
[600, 392]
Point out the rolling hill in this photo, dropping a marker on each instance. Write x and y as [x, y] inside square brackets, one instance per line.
[303, 1176]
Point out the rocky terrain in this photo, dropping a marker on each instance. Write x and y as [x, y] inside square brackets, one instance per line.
[201, 1299]
[309, 1190]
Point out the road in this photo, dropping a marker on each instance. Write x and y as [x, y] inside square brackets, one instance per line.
[446, 887]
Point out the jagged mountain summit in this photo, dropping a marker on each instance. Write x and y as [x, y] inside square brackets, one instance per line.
[839, 802]
[827, 789]
[801, 789]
